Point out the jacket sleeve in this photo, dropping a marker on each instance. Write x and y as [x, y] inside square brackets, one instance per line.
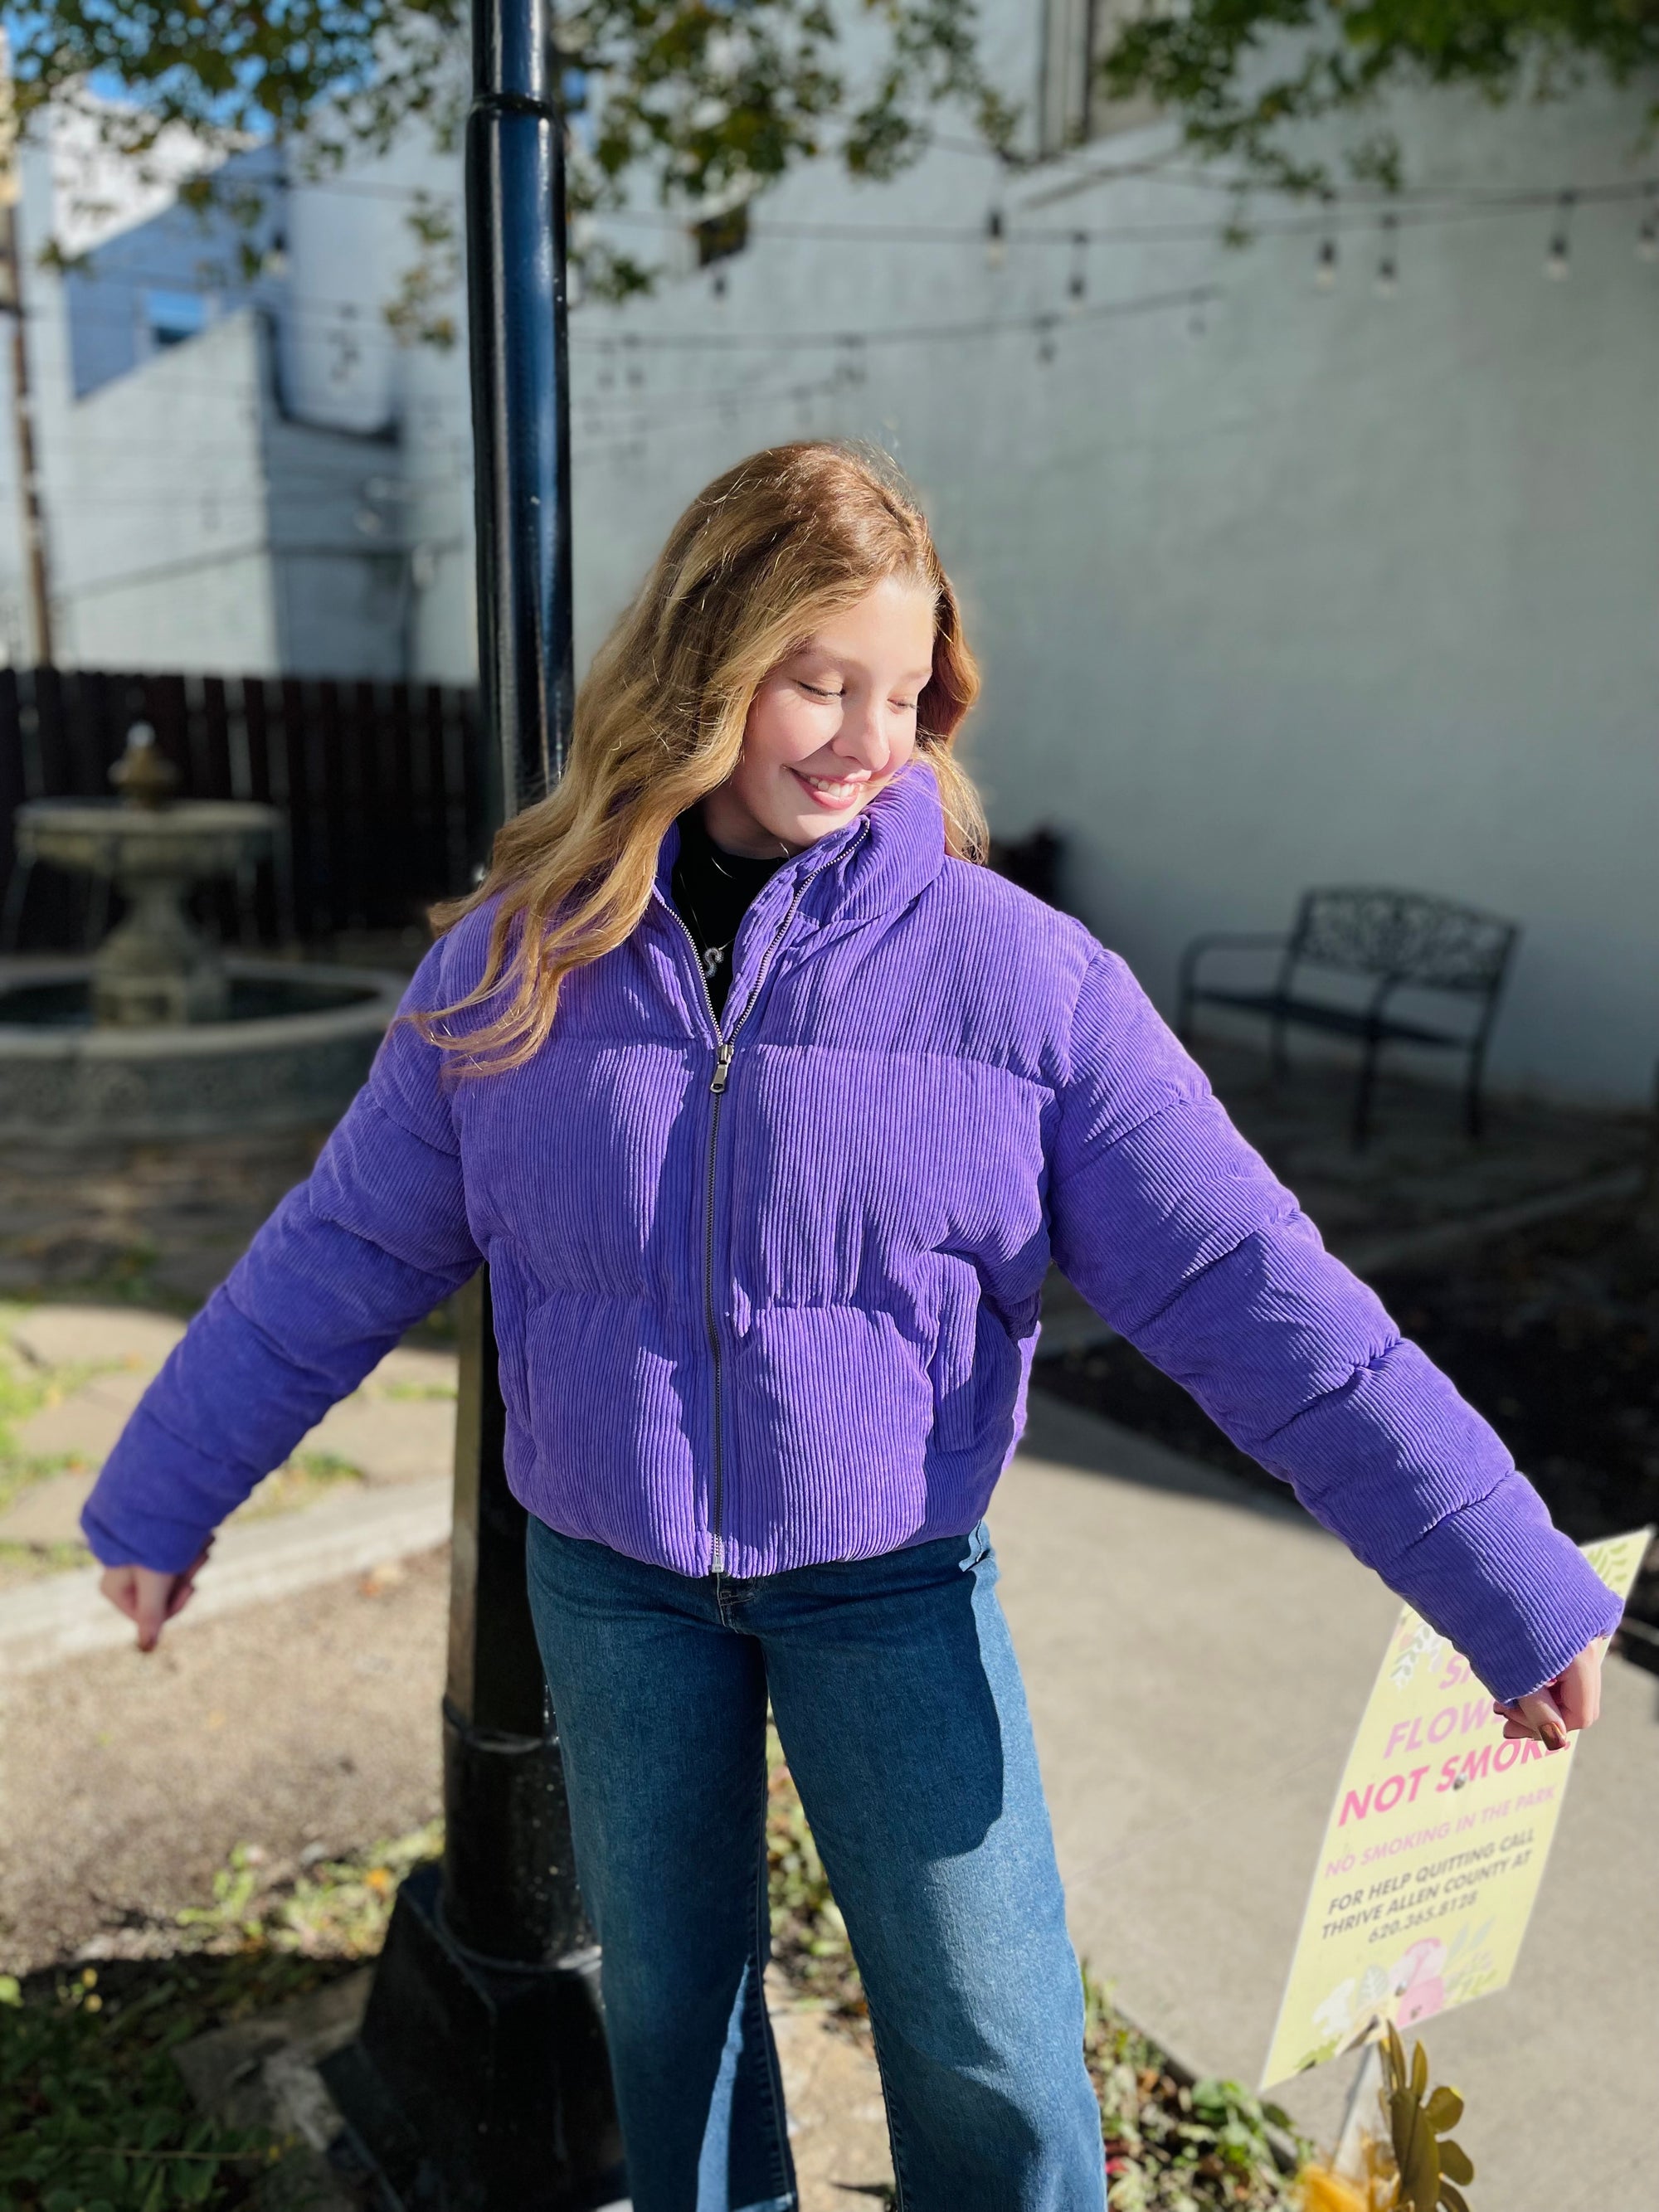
[366, 1246]
[1180, 1237]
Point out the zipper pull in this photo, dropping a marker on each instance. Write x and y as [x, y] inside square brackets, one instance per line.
[722, 1068]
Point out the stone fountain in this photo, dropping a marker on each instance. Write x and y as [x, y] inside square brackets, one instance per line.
[159, 1034]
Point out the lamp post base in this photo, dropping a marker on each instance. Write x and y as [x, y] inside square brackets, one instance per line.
[474, 2087]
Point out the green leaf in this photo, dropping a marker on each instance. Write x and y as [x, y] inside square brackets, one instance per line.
[1415, 2153]
[1445, 2109]
[1420, 2070]
[1453, 2199]
[1455, 2160]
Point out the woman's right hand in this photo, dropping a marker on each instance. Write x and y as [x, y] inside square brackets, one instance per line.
[149, 1597]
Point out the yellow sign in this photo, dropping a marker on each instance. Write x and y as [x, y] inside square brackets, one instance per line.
[1433, 1852]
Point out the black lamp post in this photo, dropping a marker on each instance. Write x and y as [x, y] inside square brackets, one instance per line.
[479, 2082]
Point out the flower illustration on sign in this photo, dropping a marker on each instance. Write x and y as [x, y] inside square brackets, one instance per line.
[1334, 2017]
[1416, 1645]
[1419, 1981]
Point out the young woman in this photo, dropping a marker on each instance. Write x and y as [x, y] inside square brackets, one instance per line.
[769, 1108]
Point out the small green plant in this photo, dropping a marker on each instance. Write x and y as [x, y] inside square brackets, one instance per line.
[95, 2116]
[1170, 2146]
[336, 1909]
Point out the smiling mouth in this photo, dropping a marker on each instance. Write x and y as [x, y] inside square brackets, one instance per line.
[833, 791]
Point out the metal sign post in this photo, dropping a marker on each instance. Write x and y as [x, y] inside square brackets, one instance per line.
[480, 2078]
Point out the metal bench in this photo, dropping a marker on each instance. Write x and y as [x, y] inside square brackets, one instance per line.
[1404, 941]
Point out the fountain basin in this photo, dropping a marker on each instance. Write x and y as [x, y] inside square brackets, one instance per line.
[294, 1049]
[156, 967]
[186, 840]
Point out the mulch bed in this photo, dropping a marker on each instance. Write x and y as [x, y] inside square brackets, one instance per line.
[1553, 1334]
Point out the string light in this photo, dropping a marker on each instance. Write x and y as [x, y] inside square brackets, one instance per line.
[1557, 262]
[1046, 347]
[1388, 263]
[1099, 315]
[1647, 237]
[853, 370]
[1077, 285]
[1325, 266]
[996, 240]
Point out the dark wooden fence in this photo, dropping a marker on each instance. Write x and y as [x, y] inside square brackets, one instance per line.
[372, 778]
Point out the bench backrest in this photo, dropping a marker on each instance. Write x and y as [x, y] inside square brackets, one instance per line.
[1404, 934]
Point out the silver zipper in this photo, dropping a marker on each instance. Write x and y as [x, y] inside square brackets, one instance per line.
[724, 1045]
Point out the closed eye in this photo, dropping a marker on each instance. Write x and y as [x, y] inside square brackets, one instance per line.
[817, 690]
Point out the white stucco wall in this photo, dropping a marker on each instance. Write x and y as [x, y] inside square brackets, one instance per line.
[1314, 586]
[156, 502]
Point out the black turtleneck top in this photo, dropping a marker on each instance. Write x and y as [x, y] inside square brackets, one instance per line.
[712, 890]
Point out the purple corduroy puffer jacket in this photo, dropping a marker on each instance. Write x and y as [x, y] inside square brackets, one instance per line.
[766, 1291]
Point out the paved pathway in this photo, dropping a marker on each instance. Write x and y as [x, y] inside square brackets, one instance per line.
[91, 1363]
[1197, 1661]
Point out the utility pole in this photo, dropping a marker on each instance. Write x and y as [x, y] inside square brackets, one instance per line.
[32, 518]
[480, 2081]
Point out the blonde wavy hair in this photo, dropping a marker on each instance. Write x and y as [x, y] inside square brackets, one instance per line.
[759, 561]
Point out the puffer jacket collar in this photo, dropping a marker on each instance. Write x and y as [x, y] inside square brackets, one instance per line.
[871, 867]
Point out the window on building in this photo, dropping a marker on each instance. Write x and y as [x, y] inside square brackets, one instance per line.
[172, 316]
[1073, 103]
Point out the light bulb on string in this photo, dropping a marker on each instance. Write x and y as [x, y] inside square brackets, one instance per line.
[1647, 236]
[1077, 285]
[1388, 261]
[1046, 347]
[1557, 262]
[996, 240]
[717, 283]
[1325, 266]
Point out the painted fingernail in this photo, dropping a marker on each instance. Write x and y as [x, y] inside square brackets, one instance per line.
[1554, 1736]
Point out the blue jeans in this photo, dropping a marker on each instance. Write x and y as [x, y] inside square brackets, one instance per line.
[896, 1696]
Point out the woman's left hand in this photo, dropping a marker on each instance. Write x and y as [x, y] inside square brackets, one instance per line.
[1572, 1701]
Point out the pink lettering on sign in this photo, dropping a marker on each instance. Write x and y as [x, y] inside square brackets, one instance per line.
[1382, 1796]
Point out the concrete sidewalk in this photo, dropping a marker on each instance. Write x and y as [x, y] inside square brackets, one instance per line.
[1197, 1659]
